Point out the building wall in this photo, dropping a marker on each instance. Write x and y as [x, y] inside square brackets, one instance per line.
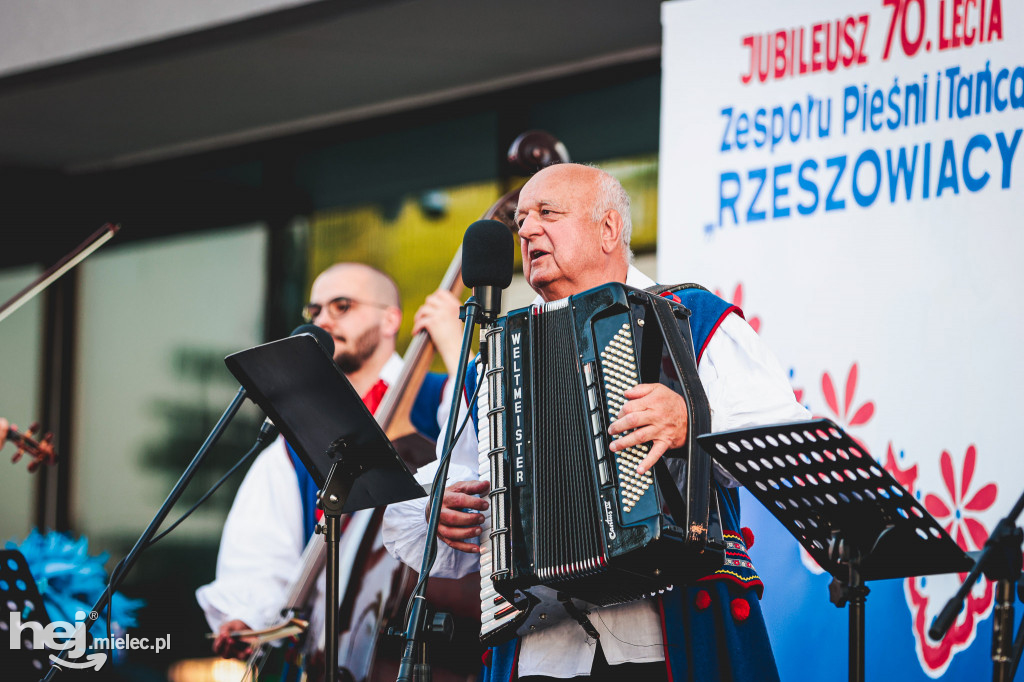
[46, 32]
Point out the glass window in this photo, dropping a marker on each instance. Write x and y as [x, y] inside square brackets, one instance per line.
[20, 372]
[155, 322]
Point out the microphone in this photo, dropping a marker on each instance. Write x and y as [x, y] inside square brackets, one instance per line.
[487, 261]
[322, 336]
[269, 431]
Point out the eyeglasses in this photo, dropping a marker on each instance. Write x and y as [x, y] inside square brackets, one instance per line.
[335, 308]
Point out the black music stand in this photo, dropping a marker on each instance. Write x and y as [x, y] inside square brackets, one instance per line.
[340, 443]
[857, 522]
[18, 593]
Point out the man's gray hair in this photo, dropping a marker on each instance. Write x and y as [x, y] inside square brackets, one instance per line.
[612, 196]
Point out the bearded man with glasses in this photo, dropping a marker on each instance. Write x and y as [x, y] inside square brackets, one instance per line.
[274, 512]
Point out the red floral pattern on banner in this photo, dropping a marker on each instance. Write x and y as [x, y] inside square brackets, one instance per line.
[954, 516]
[905, 477]
[957, 509]
[861, 415]
[846, 415]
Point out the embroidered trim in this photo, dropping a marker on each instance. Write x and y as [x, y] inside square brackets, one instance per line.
[734, 538]
[739, 562]
[726, 574]
[737, 567]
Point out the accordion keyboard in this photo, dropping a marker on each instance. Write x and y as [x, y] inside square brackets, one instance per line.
[496, 613]
[620, 373]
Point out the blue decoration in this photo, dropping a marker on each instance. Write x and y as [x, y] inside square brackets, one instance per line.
[70, 581]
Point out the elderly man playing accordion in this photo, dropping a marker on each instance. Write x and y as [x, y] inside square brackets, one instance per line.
[574, 229]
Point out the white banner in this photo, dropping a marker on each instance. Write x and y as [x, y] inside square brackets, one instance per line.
[852, 175]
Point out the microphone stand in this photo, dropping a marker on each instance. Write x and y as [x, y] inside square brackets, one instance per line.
[414, 664]
[126, 564]
[1000, 561]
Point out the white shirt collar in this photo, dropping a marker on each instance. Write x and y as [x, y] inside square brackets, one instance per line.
[635, 278]
[391, 369]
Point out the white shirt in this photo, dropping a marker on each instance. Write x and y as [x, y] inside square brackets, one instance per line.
[263, 541]
[745, 386]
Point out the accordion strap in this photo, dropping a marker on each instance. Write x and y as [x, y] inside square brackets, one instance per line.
[698, 464]
[662, 289]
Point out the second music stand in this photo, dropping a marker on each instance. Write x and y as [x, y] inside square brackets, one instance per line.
[341, 445]
[853, 518]
[19, 593]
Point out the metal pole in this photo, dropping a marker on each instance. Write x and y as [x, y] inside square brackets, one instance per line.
[1002, 632]
[331, 649]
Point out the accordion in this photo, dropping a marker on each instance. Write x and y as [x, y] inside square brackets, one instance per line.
[569, 519]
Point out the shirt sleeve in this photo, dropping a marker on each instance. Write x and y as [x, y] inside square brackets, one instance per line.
[745, 384]
[405, 524]
[260, 546]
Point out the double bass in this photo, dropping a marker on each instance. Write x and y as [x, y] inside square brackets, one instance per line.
[379, 586]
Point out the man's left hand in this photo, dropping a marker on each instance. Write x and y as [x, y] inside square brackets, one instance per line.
[229, 645]
[439, 316]
[655, 413]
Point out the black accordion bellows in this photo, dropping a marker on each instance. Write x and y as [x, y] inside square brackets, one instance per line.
[566, 513]
[563, 490]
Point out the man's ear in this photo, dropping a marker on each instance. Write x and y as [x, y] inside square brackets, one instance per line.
[391, 321]
[611, 231]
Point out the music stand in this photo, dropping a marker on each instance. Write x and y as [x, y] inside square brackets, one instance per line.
[337, 439]
[857, 522]
[18, 593]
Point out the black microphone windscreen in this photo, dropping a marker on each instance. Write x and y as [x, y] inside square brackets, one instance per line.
[322, 336]
[487, 254]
